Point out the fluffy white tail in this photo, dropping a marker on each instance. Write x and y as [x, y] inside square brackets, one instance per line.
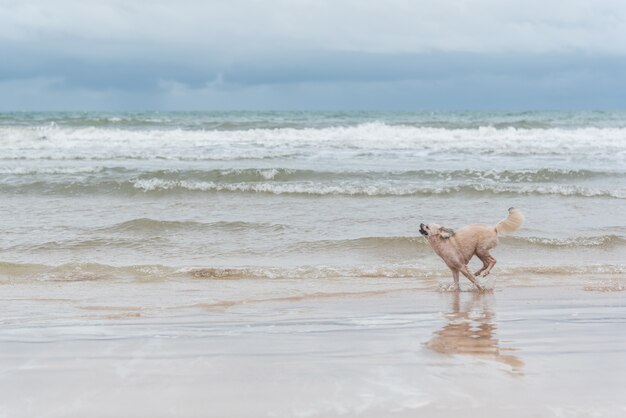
[510, 223]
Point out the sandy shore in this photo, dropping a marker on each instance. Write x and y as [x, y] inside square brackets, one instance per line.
[518, 352]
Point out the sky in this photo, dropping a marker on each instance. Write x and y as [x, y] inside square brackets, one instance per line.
[130, 55]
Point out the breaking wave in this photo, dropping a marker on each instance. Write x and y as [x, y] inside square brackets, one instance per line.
[154, 225]
[411, 242]
[543, 175]
[601, 241]
[281, 180]
[76, 272]
[371, 189]
[94, 143]
[92, 271]
[153, 236]
[361, 187]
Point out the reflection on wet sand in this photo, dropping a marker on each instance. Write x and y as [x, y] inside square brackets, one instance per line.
[470, 331]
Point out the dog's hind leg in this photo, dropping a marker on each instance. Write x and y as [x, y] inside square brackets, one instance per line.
[488, 263]
[471, 278]
[485, 264]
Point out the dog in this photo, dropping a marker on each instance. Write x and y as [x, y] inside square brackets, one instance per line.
[456, 248]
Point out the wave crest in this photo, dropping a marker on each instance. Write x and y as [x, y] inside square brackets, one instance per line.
[73, 272]
[54, 142]
[369, 188]
[141, 225]
[601, 241]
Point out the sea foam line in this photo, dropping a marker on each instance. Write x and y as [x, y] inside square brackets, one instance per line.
[369, 189]
[380, 188]
[21, 272]
[538, 175]
[373, 135]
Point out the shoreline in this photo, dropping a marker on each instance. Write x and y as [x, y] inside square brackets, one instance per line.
[521, 351]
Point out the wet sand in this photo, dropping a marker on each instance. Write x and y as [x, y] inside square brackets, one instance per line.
[553, 351]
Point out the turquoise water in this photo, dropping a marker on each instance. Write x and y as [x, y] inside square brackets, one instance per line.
[256, 120]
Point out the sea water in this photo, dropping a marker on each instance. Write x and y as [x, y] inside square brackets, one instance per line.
[270, 264]
[317, 195]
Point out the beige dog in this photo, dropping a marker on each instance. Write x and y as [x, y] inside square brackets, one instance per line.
[456, 248]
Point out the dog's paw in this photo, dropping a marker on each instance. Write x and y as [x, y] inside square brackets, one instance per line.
[449, 287]
[488, 283]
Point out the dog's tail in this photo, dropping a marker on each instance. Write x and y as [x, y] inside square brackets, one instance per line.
[510, 223]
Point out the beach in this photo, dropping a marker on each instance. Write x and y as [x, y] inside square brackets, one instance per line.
[546, 351]
[269, 264]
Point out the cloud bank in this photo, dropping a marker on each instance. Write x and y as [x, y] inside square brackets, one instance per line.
[297, 54]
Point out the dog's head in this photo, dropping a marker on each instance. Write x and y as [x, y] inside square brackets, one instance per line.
[434, 230]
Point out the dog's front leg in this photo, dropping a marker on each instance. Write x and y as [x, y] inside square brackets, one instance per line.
[455, 275]
[471, 277]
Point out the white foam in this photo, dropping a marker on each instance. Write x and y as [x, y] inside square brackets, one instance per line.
[488, 283]
[54, 141]
[22, 170]
[367, 188]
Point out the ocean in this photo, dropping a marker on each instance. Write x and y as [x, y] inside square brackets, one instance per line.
[314, 195]
[269, 264]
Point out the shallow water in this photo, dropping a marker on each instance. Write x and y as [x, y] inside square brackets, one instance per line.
[535, 351]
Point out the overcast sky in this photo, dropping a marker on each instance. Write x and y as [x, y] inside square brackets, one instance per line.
[312, 54]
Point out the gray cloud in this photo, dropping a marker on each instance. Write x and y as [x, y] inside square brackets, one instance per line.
[380, 26]
[305, 54]
[488, 83]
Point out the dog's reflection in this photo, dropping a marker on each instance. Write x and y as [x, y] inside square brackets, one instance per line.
[470, 331]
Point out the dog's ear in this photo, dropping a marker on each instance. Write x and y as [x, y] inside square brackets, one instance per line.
[446, 233]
